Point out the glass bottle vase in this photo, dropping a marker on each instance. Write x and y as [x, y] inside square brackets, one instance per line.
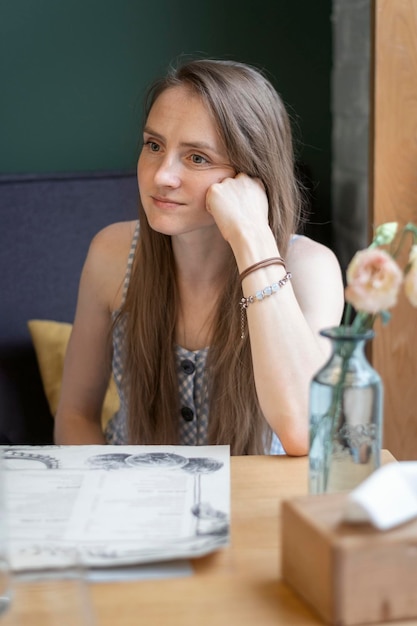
[346, 400]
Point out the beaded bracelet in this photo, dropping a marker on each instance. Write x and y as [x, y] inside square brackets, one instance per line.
[275, 260]
[258, 297]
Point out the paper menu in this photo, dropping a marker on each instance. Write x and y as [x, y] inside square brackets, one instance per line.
[117, 504]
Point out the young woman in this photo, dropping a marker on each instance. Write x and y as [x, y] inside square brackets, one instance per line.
[167, 301]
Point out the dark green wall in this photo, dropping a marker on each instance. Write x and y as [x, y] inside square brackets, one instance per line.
[73, 73]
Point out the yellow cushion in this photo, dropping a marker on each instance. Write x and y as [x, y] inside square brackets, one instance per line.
[50, 341]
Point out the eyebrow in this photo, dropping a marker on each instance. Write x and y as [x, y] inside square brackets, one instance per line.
[199, 145]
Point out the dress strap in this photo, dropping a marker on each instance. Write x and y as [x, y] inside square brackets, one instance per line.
[130, 261]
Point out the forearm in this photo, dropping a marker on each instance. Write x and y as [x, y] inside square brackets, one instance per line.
[285, 356]
[284, 330]
[77, 430]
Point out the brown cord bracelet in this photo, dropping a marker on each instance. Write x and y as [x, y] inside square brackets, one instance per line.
[275, 260]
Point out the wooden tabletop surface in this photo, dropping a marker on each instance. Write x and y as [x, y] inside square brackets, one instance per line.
[237, 586]
[240, 585]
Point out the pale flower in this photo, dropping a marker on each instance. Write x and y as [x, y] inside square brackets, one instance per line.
[410, 281]
[373, 281]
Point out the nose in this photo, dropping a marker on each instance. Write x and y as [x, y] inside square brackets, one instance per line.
[167, 174]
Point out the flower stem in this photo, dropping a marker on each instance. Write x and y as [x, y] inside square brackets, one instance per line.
[408, 228]
[347, 314]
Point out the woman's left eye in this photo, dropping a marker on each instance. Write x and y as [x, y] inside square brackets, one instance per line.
[198, 159]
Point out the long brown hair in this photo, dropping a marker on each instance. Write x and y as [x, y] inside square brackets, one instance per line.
[255, 128]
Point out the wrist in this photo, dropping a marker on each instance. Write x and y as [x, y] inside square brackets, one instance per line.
[253, 247]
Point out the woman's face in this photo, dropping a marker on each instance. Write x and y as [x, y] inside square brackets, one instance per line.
[182, 156]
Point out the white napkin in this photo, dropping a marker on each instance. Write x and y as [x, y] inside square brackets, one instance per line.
[387, 498]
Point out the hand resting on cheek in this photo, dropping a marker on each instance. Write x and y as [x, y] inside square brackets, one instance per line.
[238, 204]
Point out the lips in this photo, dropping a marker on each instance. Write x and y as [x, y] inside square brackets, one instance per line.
[166, 203]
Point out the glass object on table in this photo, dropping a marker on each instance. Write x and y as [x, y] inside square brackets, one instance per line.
[346, 398]
[56, 596]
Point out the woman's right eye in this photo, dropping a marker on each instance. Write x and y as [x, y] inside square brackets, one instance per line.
[152, 145]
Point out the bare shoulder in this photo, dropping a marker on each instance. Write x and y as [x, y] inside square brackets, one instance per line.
[306, 255]
[107, 260]
[316, 276]
[113, 238]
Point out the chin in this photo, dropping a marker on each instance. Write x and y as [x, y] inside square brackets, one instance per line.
[177, 227]
[164, 226]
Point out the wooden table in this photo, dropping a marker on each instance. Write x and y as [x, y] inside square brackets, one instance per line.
[236, 586]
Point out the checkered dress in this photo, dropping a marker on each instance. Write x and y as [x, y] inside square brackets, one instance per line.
[192, 384]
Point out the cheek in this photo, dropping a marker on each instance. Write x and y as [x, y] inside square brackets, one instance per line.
[200, 196]
[202, 186]
[140, 169]
[142, 180]
[145, 168]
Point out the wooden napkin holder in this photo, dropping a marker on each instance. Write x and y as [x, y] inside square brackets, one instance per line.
[348, 573]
